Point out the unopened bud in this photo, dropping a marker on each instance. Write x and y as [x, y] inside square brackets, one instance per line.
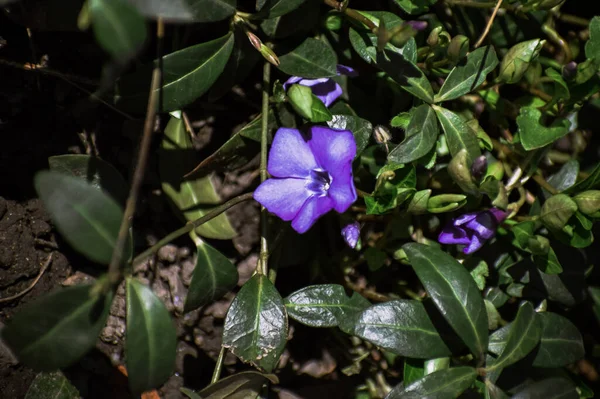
[333, 21]
[256, 42]
[381, 134]
[458, 48]
[516, 62]
[351, 234]
[569, 71]
[434, 36]
[588, 202]
[446, 203]
[479, 167]
[269, 55]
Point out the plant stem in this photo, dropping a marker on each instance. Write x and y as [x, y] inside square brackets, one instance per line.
[555, 37]
[477, 4]
[264, 136]
[114, 269]
[489, 24]
[350, 13]
[219, 366]
[216, 211]
[544, 184]
[573, 19]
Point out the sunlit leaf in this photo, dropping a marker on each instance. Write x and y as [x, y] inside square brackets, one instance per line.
[534, 134]
[443, 384]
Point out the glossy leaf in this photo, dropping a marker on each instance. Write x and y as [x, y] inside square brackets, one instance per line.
[443, 384]
[406, 74]
[151, 339]
[187, 75]
[256, 325]
[52, 385]
[402, 327]
[191, 197]
[361, 128]
[421, 136]
[277, 8]
[565, 177]
[87, 218]
[118, 27]
[524, 335]
[95, 171]
[56, 330]
[325, 305]
[550, 388]
[414, 369]
[311, 59]
[186, 10]
[246, 384]
[465, 78]
[454, 292]
[458, 134]
[534, 134]
[214, 276]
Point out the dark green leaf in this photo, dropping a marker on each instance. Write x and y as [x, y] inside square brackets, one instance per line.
[402, 327]
[592, 47]
[361, 128]
[286, 25]
[151, 339]
[590, 182]
[454, 292]
[52, 386]
[325, 305]
[277, 8]
[58, 329]
[534, 134]
[246, 384]
[443, 384]
[118, 27]
[414, 369]
[186, 10]
[406, 74]
[214, 276]
[561, 89]
[95, 171]
[548, 263]
[557, 211]
[550, 388]
[524, 335]
[312, 59]
[458, 134]
[364, 41]
[187, 75]
[191, 197]
[465, 78]
[256, 324]
[421, 136]
[87, 218]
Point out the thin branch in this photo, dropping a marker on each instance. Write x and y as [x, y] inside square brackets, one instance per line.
[264, 215]
[544, 184]
[44, 267]
[489, 24]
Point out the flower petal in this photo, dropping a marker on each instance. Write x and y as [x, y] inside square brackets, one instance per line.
[342, 190]
[499, 214]
[327, 92]
[312, 210]
[290, 155]
[454, 235]
[476, 243]
[483, 225]
[462, 219]
[283, 197]
[291, 81]
[346, 70]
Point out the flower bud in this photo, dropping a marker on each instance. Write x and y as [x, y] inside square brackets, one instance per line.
[516, 62]
[458, 48]
[381, 134]
[446, 203]
[351, 234]
[264, 50]
[434, 36]
[569, 71]
[588, 202]
[333, 21]
[479, 167]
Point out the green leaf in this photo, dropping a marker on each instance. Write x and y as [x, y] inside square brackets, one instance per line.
[566, 176]
[118, 27]
[56, 330]
[87, 218]
[464, 78]
[535, 135]
[214, 276]
[194, 197]
[548, 263]
[307, 104]
[406, 74]
[277, 8]
[187, 75]
[454, 292]
[95, 171]
[286, 25]
[256, 325]
[550, 388]
[52, 385]
[364, 41]
[415, 6]
[402, 327]
[414, 369]
[524, 335]
[458, 134]
[311, 59]
[421, 136]
[592, 47]
[361, 128]
[325, 305]
[556, 211]
[186, 10]
[246, 384]
[151, 340]
[443, 384]
[592, 181]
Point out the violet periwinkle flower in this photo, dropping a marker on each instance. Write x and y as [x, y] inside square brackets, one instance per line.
[326, 89]
[472, 229]
[351, 234]
[311, 175]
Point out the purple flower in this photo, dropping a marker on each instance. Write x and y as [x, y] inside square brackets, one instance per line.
[351, 234]
[312, 174]
[472, 229]
[326, 89]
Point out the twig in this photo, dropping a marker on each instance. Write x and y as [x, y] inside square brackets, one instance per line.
[216, 211]
[573, 19]
[114, 269]
[264, 215]
[45, 266]
[544, 184]
[489, 24]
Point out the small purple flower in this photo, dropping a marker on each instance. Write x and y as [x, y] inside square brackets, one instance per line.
[351, 234]
[311, 175]
[326, 89]
[472, 229]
